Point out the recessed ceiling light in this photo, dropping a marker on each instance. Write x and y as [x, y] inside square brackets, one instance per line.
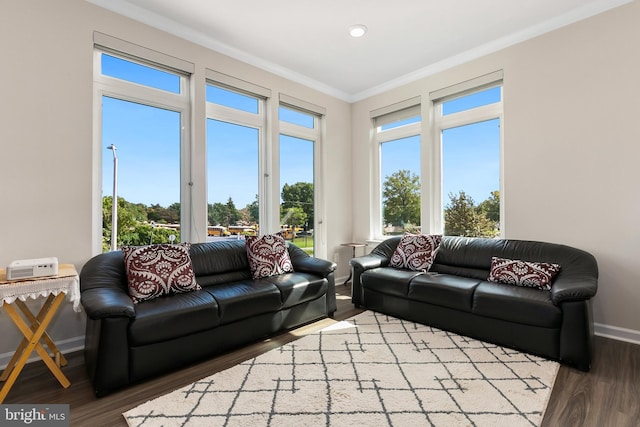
[357, 30]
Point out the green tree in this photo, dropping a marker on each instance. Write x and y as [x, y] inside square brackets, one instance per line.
[254, 211]
[401, 198]
[299, 195]
[133, 225]
[223, 214]
[232, 212]
[491, 207]
[463, 218]
[295, 217]
[159, 214]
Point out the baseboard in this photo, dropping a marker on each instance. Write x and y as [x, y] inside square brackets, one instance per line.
[617, 333]
[65, 346]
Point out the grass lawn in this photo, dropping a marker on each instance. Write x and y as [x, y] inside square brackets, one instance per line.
[305, 243]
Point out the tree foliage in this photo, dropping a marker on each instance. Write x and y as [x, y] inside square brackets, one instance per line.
[293, 216]
[463, 218]
[298, 196]
[223, 214]
[401, 198]
[169, 215]
[253, 211]
[491, 207]
[134, 226]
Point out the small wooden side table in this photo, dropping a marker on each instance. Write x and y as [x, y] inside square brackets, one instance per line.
[34, 327]
[353, 255]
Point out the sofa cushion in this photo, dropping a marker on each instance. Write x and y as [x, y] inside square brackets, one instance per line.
[156, 270]
[523, 273]
[390, 281]
[268, 255]
[415, 252]
[219, 257]
[173, 316]
[444, 290]
[516, 304]
[296, 288]
[241, 300]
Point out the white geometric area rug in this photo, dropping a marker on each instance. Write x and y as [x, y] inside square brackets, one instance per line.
[371, 370]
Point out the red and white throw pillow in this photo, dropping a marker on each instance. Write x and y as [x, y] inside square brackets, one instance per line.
[523, 273]
[268, 255]
[416, 251]
[157, 270]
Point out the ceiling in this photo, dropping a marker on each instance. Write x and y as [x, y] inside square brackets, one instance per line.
[308, 41]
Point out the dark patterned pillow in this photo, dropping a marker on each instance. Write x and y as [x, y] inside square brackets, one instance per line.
[523, 273]
[416, 251]
[157, 270]
[268, 255]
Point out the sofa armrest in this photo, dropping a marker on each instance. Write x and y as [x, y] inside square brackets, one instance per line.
[99, 303]
[573, 289]
[367, 262]
[359, 266]
[303, 262]
[103, 287]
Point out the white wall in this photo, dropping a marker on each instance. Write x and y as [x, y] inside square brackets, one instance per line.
[46, 136]
[571, 149]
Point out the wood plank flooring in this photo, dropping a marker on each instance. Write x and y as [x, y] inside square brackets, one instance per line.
[608, 395]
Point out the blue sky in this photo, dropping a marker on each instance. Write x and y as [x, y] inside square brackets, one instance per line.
[148, 139]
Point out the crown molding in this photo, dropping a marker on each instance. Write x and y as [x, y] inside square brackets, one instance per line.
[165, 24]
[121, 7]
[575, 15]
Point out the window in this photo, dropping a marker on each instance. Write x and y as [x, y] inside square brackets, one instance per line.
[143, 120]
[398, 141]
[235, 123]
[468, 127]
[299, 137]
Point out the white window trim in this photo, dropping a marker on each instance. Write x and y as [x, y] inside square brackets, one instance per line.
[379, 117]
[243, 118]
[315, 135]
[441, 123]
[141, 94]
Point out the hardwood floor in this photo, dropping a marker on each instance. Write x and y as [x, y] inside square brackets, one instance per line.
[608, 395]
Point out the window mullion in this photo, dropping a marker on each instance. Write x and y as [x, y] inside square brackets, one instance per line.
[478, 114]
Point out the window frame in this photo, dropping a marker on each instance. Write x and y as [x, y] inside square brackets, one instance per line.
[107, 86]
[466, 117]
[314, 135]
[257, 121]
[378, 119]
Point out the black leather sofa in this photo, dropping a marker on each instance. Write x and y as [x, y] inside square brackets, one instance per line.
[127, 342]
[455, 295]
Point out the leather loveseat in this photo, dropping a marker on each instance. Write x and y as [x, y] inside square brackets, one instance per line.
[455, 295]
[127, 342]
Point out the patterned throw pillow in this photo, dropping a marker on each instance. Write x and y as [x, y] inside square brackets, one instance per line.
[268, 256]
[523, 273]
[416, 251]
[157, 270]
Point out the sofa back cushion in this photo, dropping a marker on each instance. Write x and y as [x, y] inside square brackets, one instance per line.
[471, 257]
[219, 257]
